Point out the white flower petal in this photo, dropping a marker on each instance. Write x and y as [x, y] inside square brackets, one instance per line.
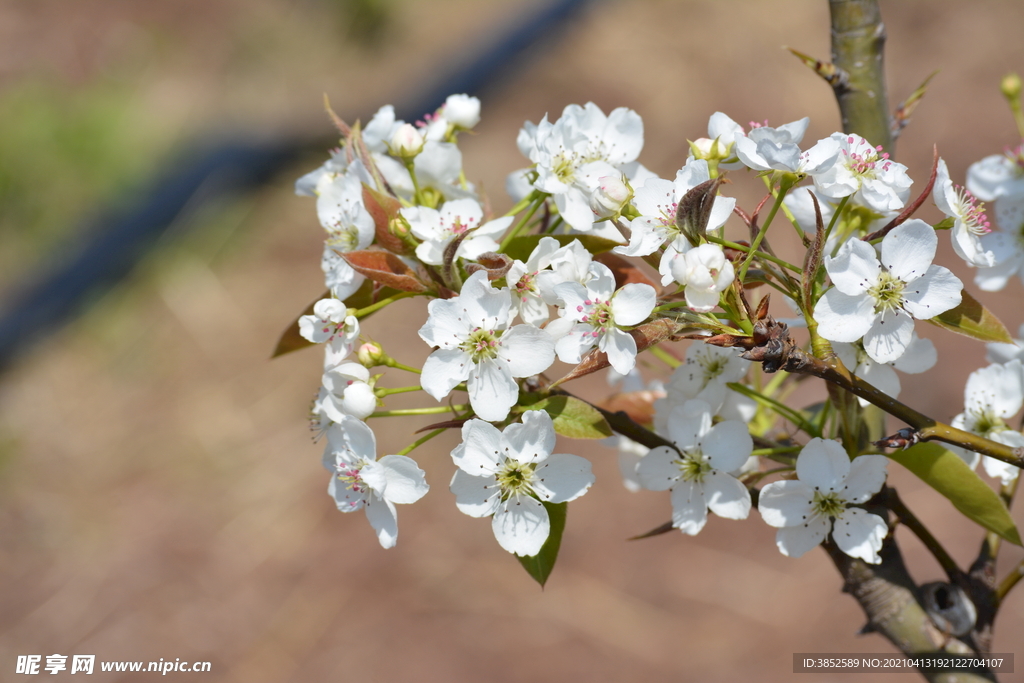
[532, 440]
[563, 477]
[794, 541]
[855, 268]
[384, 520]
[527, 350]
[621, 349]
[475, 496]
[842, 317]
[889, 337]
[479, 453]
[823, 464]
[406, 482]
[726, 496]
[689, 508]
[919, 357]
[909, 249]
[521, 525]
[860, 534]
[444, 369]
[786, 503]
[492, 391]
[633, 303]
[659, 469]
[727, 445]
[936, 292]
[866, 477]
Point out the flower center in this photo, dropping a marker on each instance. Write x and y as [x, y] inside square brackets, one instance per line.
[515, 479]
[598, 313]
[343, 239]
[481, 344]
[526, 285]
[888, 293]
[867, 162]
[458, 227]
[971, 212]
[694, 465]
[713, 366]
[986, 422]
[828, 504]
[564, 168]
[348, 475]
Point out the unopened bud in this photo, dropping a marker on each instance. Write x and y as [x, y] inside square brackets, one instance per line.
[612, 194]
[461, 110]
[407, 142]
[371, 355]
[706, 148]
[1011, 87]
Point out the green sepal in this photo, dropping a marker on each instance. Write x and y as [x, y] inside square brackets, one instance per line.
[539, 566]
[945, 472]
[972, 319]
[521, 247]
[944, 224]
[571, 417]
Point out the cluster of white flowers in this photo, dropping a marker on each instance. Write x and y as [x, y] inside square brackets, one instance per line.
[402, 220]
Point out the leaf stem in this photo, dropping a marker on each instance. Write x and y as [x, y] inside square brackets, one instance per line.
[760, 236]
[363, 312]
[419, 442]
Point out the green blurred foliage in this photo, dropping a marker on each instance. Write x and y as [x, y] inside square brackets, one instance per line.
[61, 152]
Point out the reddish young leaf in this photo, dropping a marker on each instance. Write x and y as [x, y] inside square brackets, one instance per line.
[385, 268]
[383, 209]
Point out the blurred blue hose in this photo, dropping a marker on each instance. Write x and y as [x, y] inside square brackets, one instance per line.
[115, 242]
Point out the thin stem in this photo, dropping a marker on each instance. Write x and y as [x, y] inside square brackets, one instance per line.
[382, 391]
[421, 411]
[1011, 580]
[537, 203]
[363, 312]
[911, 521]
[665, 357]
[419, 442]
[780, 408]
[747, 250]
[760, 236]
[835, 219]
[392, 363]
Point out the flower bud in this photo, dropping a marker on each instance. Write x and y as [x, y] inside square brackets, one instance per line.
[611, 195]
[407, 142]
[712, 150]
[371, 354]
[1011, 87]
[461, 110]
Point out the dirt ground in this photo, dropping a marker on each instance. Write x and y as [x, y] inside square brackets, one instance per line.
[159, 493]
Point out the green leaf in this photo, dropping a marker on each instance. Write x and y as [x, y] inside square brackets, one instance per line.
[521, 247]
[944, 224]
[573, 417]
[539, 566]
[945, 472]
[971, 319]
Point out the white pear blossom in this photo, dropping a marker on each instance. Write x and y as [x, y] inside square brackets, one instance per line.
[919, 357]
[437, 228]
[347, 392]
[867, 174]
[406, 142]
[476, 346]
[349, 227]
[703, 271]
[657, 201]
[880, 304]
[523, 280]
[778, 149]
[592, 316]
[998, 175]
[509, 473]
[362, 481]
[828, 483]
[331, 325]
[697, 470]
[570, 263]
[462, 111]
[704, 375]
[1005, 244]
[572, 154]
[969, 219]
[720, 143]
[993, 395]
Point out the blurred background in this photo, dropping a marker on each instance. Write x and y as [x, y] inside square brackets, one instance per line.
[160, 496]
